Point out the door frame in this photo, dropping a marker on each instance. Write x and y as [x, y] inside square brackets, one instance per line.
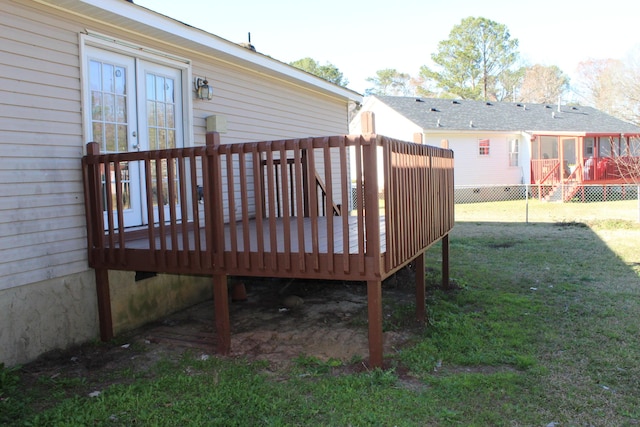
[137, 53]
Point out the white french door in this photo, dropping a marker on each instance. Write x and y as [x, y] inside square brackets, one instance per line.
[160, 124]
[135, 105]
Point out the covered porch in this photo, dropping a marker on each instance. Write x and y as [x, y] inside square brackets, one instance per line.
[298, 208]
[563, 163]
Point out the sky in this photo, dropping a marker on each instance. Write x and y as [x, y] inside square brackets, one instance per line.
[361, 37]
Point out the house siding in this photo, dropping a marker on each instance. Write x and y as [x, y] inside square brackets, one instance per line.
[390, 122]
[470, 168]
[473, 169]
[41, 203]
[42, 225]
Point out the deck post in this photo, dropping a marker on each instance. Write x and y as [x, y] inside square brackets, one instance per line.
[221, 307]
[374, 306]
[445, 262]
[420, 289]
[104, 304]
[95, 239]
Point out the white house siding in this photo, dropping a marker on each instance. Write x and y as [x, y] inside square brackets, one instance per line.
[473, 169]
[390, 122]
[47, 295]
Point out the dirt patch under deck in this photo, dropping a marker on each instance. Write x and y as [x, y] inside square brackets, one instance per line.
[331, 323]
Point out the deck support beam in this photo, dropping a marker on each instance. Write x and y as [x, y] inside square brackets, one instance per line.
[445, 262]
[420, 289]
[104, 304]
[374, 305]
[221, 306]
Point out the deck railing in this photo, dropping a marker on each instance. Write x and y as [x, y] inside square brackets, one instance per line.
[257, 217]
[419, 198]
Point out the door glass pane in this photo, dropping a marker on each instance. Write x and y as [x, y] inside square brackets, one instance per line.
[162, 139]
[108, 106]
[121, 109]
[108, 78]
[169, 91]
[109, 125]
[120, 81]
[152, 120]
[171, 116]
[95, 71]
[110, 138]
[160, 184]
[160, 94]
[126, 185]
[121, 136]
[161, 110]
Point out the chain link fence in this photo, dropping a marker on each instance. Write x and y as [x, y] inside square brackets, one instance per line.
[534, 203]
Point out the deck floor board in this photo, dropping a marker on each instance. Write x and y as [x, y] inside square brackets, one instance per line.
[325, 235]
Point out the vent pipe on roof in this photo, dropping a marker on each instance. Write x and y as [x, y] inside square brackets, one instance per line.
[248, 45]
[559, 100]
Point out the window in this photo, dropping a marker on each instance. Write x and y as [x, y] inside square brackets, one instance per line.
[589, 144]
[605, 147]
[513, 152]
[483, 147]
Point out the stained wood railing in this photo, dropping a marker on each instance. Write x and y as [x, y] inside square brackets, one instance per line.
[418, 198]
[257, 217]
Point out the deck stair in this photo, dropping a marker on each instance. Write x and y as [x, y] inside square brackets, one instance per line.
[563, 192]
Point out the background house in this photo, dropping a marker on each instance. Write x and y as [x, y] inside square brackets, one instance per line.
[119, 74]
[507, 143]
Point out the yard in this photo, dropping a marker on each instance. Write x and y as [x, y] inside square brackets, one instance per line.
[541, 328]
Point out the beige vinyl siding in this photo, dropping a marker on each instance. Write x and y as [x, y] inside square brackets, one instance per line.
[42, 232]
[42, 229]
[257, 108]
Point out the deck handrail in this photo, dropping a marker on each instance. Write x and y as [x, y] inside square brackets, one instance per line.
[248, 221]
[419, 198]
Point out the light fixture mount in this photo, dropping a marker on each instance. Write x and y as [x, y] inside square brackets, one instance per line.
[202, 88]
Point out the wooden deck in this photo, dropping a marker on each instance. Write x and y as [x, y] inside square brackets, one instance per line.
[139, 252]
[300, 208]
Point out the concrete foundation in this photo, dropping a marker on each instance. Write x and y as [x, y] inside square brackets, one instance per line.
[62, 312]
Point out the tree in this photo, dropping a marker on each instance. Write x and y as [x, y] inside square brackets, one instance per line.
[627, 162]
[328, 71]
[390, 82]
[613, 85]
[477, 52]
[543, 84]
[509, 83]
[599, 83]
[630, 86]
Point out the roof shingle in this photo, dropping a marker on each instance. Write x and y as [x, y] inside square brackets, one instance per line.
[448, 114]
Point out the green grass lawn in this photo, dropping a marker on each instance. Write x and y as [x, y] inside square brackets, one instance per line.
[542, 328]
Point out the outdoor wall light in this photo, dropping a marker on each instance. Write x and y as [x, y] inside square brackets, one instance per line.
[202, 88]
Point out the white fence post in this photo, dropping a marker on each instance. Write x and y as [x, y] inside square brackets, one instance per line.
[526, 197]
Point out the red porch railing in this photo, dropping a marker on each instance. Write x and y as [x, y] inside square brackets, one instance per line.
[259, 216]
